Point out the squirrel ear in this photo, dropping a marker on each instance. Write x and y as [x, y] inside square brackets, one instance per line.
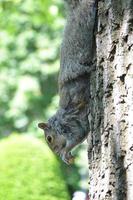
[43, 125]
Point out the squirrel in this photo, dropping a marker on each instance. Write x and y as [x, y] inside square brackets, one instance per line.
[69, 126]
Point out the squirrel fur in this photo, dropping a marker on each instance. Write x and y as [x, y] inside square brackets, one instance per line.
[69, 126]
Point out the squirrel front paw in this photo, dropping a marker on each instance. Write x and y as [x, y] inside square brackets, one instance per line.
[68, 158]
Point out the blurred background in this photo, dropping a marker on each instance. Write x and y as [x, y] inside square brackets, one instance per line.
[30, 38]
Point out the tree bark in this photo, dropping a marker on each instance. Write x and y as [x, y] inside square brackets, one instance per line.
[110, 141]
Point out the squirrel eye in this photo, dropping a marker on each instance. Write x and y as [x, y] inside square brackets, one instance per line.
[49, 139]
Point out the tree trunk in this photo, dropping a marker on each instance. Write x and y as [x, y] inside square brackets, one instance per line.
[110, 142]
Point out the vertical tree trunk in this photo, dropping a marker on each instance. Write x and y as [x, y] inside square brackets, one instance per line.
[110, 142]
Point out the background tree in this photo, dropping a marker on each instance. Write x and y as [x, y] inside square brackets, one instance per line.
[28, 63]
[110, 149]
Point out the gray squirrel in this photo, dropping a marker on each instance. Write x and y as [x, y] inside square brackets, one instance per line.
[69, 126]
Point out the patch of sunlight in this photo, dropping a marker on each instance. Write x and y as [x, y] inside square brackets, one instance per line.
[6, 82]
[31, 64]
[47, 53]
[21, 122]
[53, 10]
[28, 83]
[19, 102]
[3, 55]
[5, 38]
[28, 6]
[79, 195]
[42, 37]
[59, 23]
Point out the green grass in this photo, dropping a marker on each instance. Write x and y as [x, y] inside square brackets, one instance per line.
[29, 171]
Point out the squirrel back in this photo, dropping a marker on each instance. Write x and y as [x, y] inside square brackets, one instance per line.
[78, 44]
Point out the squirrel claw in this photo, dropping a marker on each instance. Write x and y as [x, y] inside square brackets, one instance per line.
[71, 160]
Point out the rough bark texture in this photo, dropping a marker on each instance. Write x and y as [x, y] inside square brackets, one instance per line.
[110, 142]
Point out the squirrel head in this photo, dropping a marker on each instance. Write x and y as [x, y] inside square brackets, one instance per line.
[55, 141]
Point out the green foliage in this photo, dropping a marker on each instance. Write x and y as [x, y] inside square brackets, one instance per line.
[30, 33]
[29, 171]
